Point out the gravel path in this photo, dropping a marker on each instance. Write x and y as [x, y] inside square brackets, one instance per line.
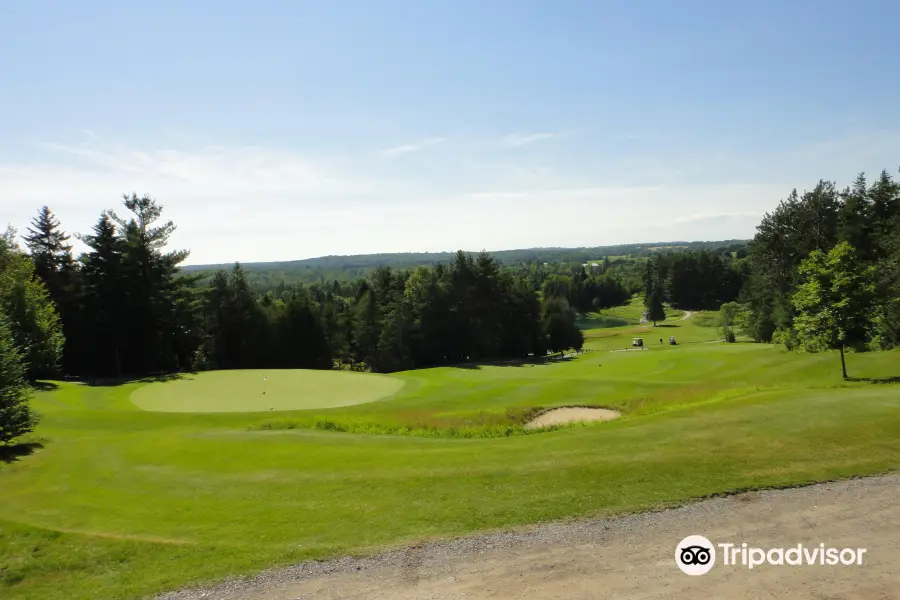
[628, 557]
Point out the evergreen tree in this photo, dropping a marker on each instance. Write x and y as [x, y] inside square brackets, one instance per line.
[104, 302]
[31, 314]
[393, 352]
[653, 292]
[884, 196]
[427, 296]
[153, 286]
[16, 417]
[367, 324]
[50, 252]
[654, 304]
[854, 224]
[522, 325]
[215, 310]
[487, 304]
[302, 338]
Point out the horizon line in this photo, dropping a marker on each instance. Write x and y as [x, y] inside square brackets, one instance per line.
[311, 258]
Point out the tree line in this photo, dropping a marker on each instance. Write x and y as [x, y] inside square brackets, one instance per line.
[822, 271]
[125, 308]
[825, 270]
[394, 320]
[265, 276]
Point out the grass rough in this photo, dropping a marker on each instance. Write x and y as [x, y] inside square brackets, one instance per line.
[117, 502]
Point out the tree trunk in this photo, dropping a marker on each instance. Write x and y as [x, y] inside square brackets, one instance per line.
[843, 362]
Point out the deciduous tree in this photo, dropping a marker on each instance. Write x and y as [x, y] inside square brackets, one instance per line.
[834, 300]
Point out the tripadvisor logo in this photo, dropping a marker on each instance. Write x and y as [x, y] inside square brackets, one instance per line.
[696, 555]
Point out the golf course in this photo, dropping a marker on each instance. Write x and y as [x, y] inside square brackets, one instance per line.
[252, 390]
[132, 489]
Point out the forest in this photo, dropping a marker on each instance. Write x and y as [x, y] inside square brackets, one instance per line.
[822, 271]
[266, 276]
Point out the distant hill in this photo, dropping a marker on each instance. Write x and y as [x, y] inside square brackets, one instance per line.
[356, 265]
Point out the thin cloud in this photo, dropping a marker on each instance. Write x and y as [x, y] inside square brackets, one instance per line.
[551, 194]
[263, 203]
[207, 190]
[717, 216]
[627, 137]
[517, 140]
[225, 170]
[414, 147]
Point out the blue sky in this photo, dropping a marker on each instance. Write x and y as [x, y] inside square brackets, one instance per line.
[284, 130]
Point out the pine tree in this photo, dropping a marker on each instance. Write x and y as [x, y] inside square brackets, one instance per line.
[32, 316]
[366, 327]
[884, 196]
[52, 256]
[16, 418]
[104, 300]
[50, 251]
[654, 304]
[393, 352]
[653, 292]
[854, 226]
[153, 286]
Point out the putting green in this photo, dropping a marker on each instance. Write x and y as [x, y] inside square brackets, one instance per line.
[242, 391]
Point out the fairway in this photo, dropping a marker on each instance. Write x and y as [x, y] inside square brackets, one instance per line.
[118, 502]
[242, 391]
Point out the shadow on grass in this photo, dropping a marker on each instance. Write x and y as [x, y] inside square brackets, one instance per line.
[600, 322]
[45, 386]
[516, 362]
[115, 381]
[12, 453]
[895, 379]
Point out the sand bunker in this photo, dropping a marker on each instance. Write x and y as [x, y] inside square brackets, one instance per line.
[561, 416]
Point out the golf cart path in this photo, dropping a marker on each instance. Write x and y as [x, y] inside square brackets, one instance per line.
[628, 557]
[687, 315]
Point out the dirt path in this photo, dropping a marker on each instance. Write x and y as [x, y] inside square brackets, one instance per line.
[687, 315]
[626, 558]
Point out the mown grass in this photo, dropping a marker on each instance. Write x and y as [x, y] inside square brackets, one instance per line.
[620, 316]
[708, 319]
[263, 390]
[121, 503]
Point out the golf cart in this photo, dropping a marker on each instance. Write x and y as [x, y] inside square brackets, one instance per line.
[672, 340]
[637, 343]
